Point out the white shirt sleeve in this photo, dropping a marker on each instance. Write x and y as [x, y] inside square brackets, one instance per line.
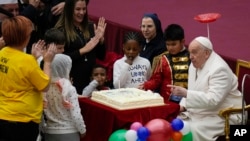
[120, 75]
[90, 88]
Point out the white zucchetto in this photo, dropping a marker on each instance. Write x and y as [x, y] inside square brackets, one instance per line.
[204, 41]
[8, 2]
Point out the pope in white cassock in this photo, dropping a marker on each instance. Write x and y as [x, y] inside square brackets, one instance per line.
[212, 86]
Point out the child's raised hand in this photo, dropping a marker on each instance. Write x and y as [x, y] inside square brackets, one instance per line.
[49, 53]
[37, 48]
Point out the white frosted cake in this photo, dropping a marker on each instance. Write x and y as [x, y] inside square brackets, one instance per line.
[127, 98]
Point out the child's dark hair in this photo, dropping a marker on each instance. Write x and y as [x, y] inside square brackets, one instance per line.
[54, 35]
[99, 66]
[173, 32]
[132, 36]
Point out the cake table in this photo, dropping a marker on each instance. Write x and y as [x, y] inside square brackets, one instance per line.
[101, 121]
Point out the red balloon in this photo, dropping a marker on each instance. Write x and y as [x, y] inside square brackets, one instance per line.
[160, 130]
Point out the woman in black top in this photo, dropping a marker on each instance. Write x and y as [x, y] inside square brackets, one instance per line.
[84, 41]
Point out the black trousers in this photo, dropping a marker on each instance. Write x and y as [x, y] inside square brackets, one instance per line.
[18, 131]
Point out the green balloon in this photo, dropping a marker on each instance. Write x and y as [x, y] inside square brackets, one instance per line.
[118, 135]
[187, 137]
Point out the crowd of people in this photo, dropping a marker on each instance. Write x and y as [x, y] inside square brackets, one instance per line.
[45, 68]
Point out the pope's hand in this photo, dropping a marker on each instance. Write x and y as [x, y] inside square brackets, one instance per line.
[178, 91]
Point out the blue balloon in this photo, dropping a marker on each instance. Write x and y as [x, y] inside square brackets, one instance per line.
[143, 133]
[141, 140]
[177, 124]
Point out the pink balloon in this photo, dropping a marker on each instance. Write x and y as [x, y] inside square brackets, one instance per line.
[160, 130]
[135, 126]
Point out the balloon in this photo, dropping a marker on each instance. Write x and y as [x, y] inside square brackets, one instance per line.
[135, 126]
[160, 130]
[118, 135]
[177, 124]
[186, 128]
[131, 135]
[187, 137]
[176, 136]
[140, 140]
[143, 133]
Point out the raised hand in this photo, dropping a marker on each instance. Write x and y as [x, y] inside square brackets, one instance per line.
[100, 29]
[34, 3]
[49, 53]
[58, 9]
[90, 45]
[37, 48]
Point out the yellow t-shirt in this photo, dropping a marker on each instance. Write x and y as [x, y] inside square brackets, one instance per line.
[21, 82]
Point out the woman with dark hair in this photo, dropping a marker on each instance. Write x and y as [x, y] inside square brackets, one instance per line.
[154, 43]
[84, 41]
[21, 82]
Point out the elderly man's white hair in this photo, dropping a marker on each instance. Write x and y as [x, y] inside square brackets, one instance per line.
[8, 2]
[205, 42]
[60, 67]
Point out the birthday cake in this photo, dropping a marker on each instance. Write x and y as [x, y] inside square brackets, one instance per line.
[127, 98]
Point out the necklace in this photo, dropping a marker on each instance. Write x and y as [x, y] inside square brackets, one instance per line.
[80, 35]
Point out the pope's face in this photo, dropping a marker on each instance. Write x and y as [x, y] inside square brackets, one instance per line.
[198, 54]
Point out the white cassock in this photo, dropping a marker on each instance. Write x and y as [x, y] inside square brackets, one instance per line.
[215, 87]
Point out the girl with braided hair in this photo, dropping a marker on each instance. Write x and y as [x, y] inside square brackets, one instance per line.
[131, 70]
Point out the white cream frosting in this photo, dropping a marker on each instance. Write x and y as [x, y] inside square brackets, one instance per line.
[127, 98]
